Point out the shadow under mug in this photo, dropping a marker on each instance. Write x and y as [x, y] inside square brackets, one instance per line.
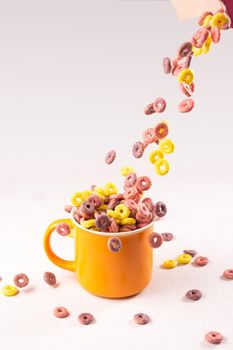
[99, 270]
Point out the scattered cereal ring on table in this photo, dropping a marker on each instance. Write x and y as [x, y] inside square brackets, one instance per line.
[201, 261]
[138, 149]
[213, 337]
[162, 167]
[186, 105]
[159, 105]
[50, 278]
[219, 20]
[184, 49]
[155, 155]
[60, 312]
[193, 294]
[167, 236]
[155, 240]
[166, 146]
[190, 252]
[9, 290]
[114, 244]
[167, 65]
[77, 199]
[21, 280]
[228, 274]
[63, 229]
[203, 17]
[141, 318]
[126, 170]
[110, 157]
[149, 109]
[184, 259]
[169, 264]
[85, 318]
[161, 130]
[186, 76]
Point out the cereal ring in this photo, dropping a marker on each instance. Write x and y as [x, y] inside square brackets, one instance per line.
[193, 294]
[9, 290]
[207, 44]
[118, 196]
[88, 223]
[110, 188]
[190, 252]
[188, 60]
[219, 20]
[85, 318]
[126, 170]
[110, 157]
[149, 135]
[167, 65]
[175, 64]
[166, 146]
[114, 244]
[63, 229]
[133, 207]
[184, 49]
[186, 106]
[149, 203]
[207, 20]
[161, 130]
[145, 219]
[21, 280]
[86, 194]
[132, 193]
[122, 211]
[162, 167]
[188, 90]
[159, 105]
[50, 278]
[169, 264]
[95, 200]
[128, 221]
[197, 51]
[130, 227]
[201, 261]
[141, 318]
[100, 190]
[87, 208]
[155, 155]
[214, 337]
[102, 222]
[143, 183]
[113, 203]
[138, 149]
[60, 312]
[114, 227]
[167, 236]
[155, 240]
[186, 76]
[130, 180]
[68, 208]
[228, 274]
[160, 209]
[149, 109]
[143, 210]
[200, 37]
[141, 224]
[215, 34]
[203, 17]
[77, 199]
[184, 259]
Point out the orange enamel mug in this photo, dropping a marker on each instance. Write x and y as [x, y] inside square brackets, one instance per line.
[103, 272]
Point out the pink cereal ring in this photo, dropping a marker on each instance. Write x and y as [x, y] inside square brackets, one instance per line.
[215, 34]
[214, 337]
[143, 210]
[63, 229]
[149, 109]
[143, 183]
[161, 130]
[187, 61]
[114, 227]
[110, 157]
[186, 106]
[155, 240]
[145, 219]
[141, 224]
[95, 200]
[113, 203]
[174, 65]
[68, 208]
[119, 196]
[130, 180]
[133, 207]
[130, 227]
[149, 135]
[167, 65]
[187, 90]
[114, 244]
[60, 312]
[203, 17]
[228, 274]
[159, 105]
[132, 193]
[167, 236]
[149, 203]
[21, 280]
[184, 49]
[138, 149]
[141, 318]
[201, 261]
[85, 318]
[200, 37]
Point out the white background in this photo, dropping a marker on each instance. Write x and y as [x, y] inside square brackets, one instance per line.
[74, 79]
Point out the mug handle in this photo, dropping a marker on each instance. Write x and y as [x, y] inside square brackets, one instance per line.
[64, 264]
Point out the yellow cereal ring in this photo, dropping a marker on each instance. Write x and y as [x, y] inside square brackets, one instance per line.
[207, 20]
[162, 167]
[77, 199]
[128, 221]
[94, 228]
[169, 264]
[100, 190]
[102, 207]
[155, 155]
[197, 51]
[111, 213]
[166, 146]
[110, 188]
[219, 20]
[207, 44]
[88, 223]
[184, 259]
[186, 76]
[122, 211]
[126, 170]
[86, 194]
[9, 290]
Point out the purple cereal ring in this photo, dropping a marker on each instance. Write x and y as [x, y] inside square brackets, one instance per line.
[201, 261]
[214, 337]
[21, 280]
[159, 105]
[114, 244]
[138, 149]
[143, 183]
[184, 49]
[203, 17]
[113, 203]
[186, 106]
[155, 240]
[130, 180]
[85, 318]
[141, 318]
[167, 236]
[68, 208]
[149, 203]
[167, 65]
[110, 157]
[132, 193]
[188, 90]
[50, 278]
[63, 229]
[103, 222]
[228, 274]
[200, 37]
[95, 200]
[149, 109]
[215, 34]
[60, 312]
[149, 136]
[193, 294]
[190, 252]
[161, 130]
[144, 219]
[87, 208]
[160, 209]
